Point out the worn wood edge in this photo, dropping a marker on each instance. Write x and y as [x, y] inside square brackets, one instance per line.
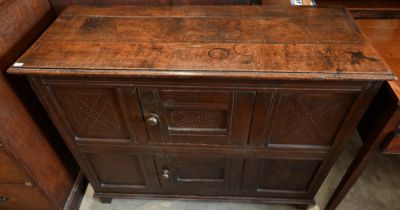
[387, 66]
[73, 10]
[253, 153]
[375, 13]
[77, 192]
[205, 74]
[232, 198]
[395, 90]
[386, 143]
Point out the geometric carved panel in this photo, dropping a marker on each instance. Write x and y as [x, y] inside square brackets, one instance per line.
[197, 118]
[309, 119]
[293, 175]
[93, 113]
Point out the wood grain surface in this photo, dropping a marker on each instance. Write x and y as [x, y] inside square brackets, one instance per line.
[226, 41]
[60, 5]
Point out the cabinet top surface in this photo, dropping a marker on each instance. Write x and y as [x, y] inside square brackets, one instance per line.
[205, 41]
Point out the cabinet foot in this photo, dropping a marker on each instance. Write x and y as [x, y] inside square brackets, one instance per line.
[304, 206]
[105, 200]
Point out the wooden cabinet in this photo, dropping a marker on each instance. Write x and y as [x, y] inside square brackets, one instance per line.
[273, 140]
[196, 108]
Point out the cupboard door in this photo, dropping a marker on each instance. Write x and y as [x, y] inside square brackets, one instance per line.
[197, 116]
[122, 171]
[100, 113]
[279, 176]
[300, 119]
[199, 173]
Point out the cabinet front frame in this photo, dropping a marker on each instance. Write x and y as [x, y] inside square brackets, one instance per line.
[366, 92]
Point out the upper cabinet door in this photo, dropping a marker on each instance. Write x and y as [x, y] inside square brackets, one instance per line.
[300, 119]
[184, 116]
[99, 113]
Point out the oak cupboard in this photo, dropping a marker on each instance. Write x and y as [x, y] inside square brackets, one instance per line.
[223, 103]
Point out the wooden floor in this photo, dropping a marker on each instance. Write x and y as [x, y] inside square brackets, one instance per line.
[384, 34]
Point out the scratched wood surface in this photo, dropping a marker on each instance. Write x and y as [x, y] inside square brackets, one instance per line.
[60, 5]
[224, 41]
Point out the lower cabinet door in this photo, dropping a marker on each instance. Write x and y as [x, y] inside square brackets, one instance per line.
[199, 174]
[119, 171]
[279, 177]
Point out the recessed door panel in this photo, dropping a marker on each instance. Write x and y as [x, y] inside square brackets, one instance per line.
[300, 119]
[123, 171]
[279, 176]
[197, 116]
[100, 114]
[199, 173]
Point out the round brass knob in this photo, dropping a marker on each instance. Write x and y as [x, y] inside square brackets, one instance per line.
[165, 174]
[152, 120]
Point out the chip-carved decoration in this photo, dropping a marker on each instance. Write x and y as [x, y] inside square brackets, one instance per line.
[93, 113]
[197, 119]
[309, 119]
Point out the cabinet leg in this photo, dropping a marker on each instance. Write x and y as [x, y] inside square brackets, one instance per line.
[105, 200]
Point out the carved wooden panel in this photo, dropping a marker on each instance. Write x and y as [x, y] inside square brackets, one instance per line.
[93, 113]
[198, 119]
[121, 170]
[283, 176]
[209, 118]
[207, 172]
[303, 118]
[312, 119]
